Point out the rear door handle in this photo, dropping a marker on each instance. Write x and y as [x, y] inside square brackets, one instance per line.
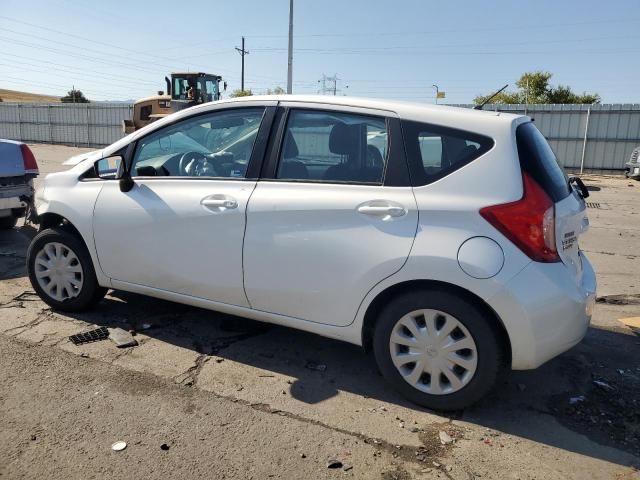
[378, 209]
[219, 201]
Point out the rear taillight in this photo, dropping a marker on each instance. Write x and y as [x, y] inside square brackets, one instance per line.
[530, 222]
[29, 161]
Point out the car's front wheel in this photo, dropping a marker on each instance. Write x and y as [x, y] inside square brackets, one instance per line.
[61, 271]
[437, 348]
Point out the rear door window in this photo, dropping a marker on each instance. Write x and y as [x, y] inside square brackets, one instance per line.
[434, 152]
[333, 147]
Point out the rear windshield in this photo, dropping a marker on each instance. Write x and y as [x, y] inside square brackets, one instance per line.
[539, 161]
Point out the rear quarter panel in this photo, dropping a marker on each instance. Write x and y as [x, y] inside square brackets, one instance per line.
[449, 215]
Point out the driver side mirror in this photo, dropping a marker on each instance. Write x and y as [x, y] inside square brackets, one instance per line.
[108, 168]
[112, 168]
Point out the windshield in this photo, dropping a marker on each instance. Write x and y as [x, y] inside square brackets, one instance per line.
[184, 88]
[193, 88]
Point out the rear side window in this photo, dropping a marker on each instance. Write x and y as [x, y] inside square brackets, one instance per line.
[539, 161]
[434, 152]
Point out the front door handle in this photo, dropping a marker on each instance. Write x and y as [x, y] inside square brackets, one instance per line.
[382, 209]
[219, 201]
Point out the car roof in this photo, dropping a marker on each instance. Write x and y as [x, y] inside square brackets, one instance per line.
[479, 121]
[402, 108]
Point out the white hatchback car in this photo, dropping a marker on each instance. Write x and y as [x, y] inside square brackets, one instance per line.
[443, 239]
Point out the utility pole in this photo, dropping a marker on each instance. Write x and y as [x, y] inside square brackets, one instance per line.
[437, 90]
[242, 53]
[290, 62]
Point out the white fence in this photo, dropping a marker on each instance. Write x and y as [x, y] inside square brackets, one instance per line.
[79, 124]
[585, 137]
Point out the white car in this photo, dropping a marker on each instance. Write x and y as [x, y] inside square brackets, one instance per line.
[443, 239]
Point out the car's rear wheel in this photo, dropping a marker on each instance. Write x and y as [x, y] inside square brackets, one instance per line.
[61, 271]
[437, 348]
[8, 222]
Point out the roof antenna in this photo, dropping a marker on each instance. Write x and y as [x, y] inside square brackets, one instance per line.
[479, 107]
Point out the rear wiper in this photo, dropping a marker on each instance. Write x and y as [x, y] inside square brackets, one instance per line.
[582, 188]
[479, 107]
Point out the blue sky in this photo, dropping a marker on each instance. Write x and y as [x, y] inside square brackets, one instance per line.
[391, 49]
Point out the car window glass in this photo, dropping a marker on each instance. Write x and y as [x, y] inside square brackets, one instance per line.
[333, 147]
[437, 151]
[218, 144]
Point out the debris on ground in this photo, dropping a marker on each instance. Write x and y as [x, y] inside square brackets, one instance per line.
[603, 385]
[608, 410]
[146, 326]
[91, 336]
[632, 322]
[334, 464]
[122, 338]
[624, 299]
[118, 446]
[346, 467]
[164, 447]
[445, 438]
[320, 367]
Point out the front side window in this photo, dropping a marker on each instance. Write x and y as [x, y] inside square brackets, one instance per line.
[333, 147]
[436, 151]
[218, 144]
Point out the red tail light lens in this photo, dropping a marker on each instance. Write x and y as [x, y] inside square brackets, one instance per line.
[29, 161]
[530, 222]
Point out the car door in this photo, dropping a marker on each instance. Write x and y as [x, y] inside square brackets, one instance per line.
[180, 228]
[332, 216]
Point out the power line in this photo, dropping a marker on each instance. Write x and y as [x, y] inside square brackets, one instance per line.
[86, 39]
[457, 30]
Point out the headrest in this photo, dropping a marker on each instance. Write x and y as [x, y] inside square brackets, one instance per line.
[344, 138]
[290, 149]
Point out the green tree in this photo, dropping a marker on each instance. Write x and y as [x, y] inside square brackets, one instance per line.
[534, 87]
[276, 91]
[241, 93]
[74, 96]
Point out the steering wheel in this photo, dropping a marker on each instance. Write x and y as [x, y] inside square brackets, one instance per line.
[195, 164]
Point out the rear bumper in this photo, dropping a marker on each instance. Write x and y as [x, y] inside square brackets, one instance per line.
[545, 311]
[14, 197]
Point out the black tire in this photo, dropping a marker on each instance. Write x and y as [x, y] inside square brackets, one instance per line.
[90, 294]
[481, 328]
[8, 222]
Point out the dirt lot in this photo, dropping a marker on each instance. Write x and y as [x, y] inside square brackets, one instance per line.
[236, 399]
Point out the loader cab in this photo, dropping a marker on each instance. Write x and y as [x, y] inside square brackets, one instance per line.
[188, 89]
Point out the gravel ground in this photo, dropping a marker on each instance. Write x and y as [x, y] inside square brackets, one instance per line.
[238, 399]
